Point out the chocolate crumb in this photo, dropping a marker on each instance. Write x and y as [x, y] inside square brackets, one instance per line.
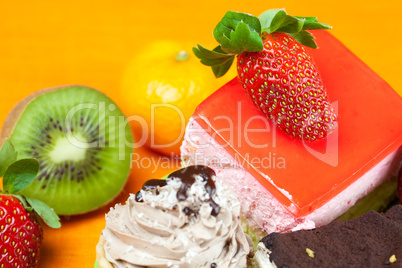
[188, 211]
[310, 252]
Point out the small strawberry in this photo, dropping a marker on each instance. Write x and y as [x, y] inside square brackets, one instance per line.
[20, 232]
[275, 69]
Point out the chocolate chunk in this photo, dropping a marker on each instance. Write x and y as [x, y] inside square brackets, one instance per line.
[187, 177]
[188, 211]
[138, 197]
[153, 184]
[367, 241]
[150, 185]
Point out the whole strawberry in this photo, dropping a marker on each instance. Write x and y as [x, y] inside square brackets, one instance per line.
[275, 69]
[20, 232]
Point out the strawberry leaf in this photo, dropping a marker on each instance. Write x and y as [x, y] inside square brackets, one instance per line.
[238, 32]
[211, 57]
[266, 19]
[220, 70]
[291, 25]
[20, 174]
[45, 212]
[305, 38]
[219, 60]
[216, 53]
[7, 156]
[311, 23]
[277, 20]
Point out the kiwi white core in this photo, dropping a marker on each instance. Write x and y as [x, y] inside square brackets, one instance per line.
[67, 150]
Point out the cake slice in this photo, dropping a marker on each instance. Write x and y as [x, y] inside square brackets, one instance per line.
[285, 183]
[371, 240]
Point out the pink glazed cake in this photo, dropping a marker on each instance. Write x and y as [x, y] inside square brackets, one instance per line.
[286, 184]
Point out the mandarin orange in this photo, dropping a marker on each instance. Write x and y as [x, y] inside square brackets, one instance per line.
[161, 87]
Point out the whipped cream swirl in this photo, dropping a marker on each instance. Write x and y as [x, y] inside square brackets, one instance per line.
[156, 229]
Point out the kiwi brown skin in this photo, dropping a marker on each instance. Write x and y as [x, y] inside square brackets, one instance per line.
[17, 111]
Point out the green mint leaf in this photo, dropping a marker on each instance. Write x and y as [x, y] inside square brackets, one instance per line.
[7, 156]
[305, 38]
[20, 174]
[45, 212]
[277, 20]
[220, 70]
[311, 23]
[238, 32]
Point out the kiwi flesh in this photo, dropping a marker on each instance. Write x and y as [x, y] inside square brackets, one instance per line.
[83, 144]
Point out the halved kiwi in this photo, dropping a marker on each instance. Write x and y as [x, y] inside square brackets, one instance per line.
[82, 142]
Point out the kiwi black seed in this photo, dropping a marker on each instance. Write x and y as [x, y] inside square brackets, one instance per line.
[82, 142]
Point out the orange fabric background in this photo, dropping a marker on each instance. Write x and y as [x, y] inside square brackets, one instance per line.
[48, 43]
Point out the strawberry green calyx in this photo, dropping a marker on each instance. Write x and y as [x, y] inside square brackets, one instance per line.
[219, 60]
[277, 20]
[18, 174]
[240, 32]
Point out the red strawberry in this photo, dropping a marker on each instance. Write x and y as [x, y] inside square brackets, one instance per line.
[20, 231]
[20, 234]
[275, 69]
[284, 83]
